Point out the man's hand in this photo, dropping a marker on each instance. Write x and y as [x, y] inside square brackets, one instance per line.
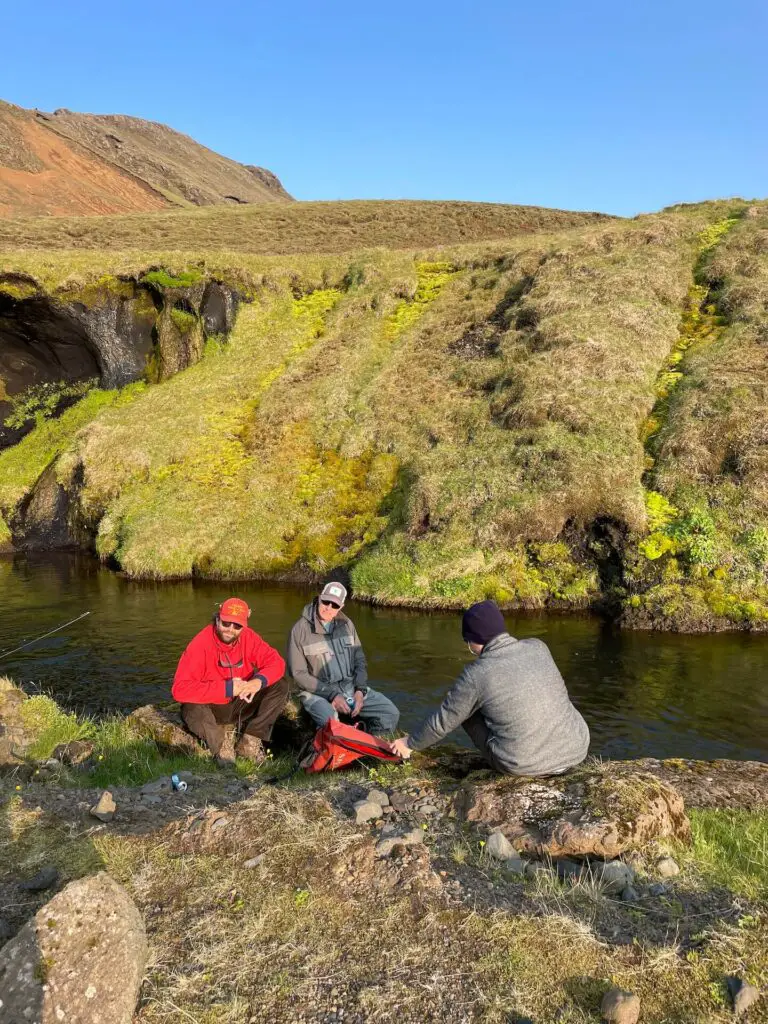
[246, 689]
[359, 700]
[339, 705]
[401, 747]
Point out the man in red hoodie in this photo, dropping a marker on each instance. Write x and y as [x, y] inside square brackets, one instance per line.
[230, 679]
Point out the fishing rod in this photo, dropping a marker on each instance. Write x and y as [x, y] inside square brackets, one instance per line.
[4, 654]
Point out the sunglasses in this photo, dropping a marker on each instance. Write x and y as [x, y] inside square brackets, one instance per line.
[330, 604]
[230, 625]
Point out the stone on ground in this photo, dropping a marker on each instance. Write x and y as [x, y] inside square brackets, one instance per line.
[613, 876]
[743, 995]
[378, 796]
[74, 752]
[499, 847]
[620, 1007]
[165, 727]
[386, 846]
[44, 879]
[587, 812]
[105, 809]
[667, 867]
[81, 958]
[515, 864]
[366, 810]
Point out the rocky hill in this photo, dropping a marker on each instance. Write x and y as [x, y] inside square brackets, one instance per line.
[66, 163]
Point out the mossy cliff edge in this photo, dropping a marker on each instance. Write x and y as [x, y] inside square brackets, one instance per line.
[567, 420]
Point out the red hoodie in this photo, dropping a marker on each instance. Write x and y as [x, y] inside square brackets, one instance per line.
[208, 666]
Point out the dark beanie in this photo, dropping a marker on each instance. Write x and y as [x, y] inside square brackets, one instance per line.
[482, 622]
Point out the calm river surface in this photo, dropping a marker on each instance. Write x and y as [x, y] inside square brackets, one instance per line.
[642, 693]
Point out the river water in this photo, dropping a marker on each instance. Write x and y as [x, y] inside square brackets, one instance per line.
[643, 694]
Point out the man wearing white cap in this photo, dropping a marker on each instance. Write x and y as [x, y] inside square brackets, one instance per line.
[326, 661]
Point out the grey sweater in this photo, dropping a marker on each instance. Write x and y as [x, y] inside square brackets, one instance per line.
[519, 692]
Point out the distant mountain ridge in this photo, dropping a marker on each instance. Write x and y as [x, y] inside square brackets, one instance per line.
[64, 163]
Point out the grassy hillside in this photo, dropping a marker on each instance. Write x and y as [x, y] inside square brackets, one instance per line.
[569, 418]
[281, 228]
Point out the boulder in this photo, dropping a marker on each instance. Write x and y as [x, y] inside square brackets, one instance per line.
[81, 958]
[588, 812]
[719, 784]
[620, 1007]
[164, 726]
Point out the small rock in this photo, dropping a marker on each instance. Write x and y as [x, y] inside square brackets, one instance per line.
[428, 810]
[667, 867]
[74, 752]
[378, 796]
[253, 862]
[567, 868]
[613, 875]
[743, 995]
[157, 787]
[384, 847]
[515, 865]
[44, 879]
[537, 867]
[401, 801]
[657, 889]
[5, 930]
[499, 847]
[150, 800]
[629, 895]
[620, 1007]
[105, 809]
[366, 810]
[219, 823]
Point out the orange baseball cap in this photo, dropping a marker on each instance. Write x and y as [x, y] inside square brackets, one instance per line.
[235, 610]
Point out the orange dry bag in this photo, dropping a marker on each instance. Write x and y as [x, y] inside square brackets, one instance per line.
[336, 745]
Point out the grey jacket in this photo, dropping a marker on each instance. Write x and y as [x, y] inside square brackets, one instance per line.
[519, 692]
[328, 664]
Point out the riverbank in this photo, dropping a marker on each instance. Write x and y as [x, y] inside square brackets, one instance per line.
[398, 893]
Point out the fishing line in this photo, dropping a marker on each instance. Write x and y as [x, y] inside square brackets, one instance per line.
[4, 654]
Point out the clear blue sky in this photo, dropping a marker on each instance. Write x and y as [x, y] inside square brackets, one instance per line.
[598, 105]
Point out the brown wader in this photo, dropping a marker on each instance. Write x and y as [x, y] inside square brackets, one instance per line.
[207, 721]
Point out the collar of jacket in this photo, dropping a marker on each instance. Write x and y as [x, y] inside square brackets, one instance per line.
[502, 640]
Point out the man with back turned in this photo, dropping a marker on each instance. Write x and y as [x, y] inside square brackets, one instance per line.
[511, 701]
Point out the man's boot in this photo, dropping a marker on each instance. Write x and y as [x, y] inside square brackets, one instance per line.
[252, 748]
[225, 758]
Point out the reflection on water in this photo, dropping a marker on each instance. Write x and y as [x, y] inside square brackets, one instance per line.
[642, 693]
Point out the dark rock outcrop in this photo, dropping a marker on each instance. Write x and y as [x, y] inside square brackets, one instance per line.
[81, 958]
[108, 334]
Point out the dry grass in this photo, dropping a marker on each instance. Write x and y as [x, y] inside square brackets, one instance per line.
[296, 939]
[278, 228]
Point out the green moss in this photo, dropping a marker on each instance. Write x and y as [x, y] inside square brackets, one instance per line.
[18, 290]
[21, 465]
[431, 279]
[41, 401]
[163, 279]
[98, 292]
[183, 321]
